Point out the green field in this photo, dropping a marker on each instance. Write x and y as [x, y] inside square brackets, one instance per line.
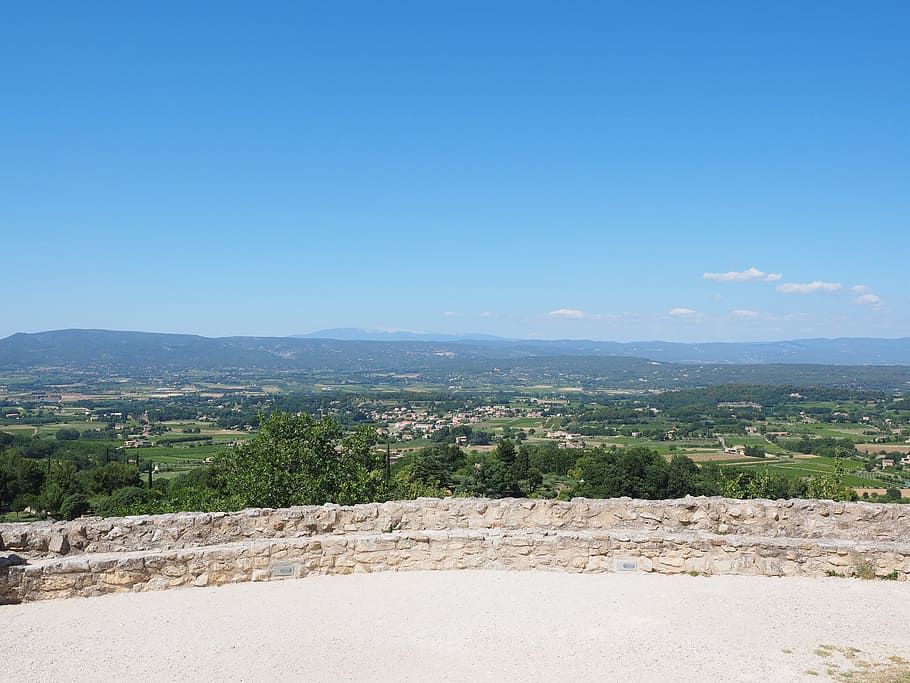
[813, 467]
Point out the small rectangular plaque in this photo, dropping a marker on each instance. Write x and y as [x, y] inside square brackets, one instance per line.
[283, 570]
[627, 564]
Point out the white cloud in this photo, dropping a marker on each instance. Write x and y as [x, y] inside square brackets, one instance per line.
[743, 276]
[808, 287]
[866, 298]
[569, 313]
[488, 314]
[744, 314]
[865, 295]
[575, 314]
[452, 314]
[683, 311]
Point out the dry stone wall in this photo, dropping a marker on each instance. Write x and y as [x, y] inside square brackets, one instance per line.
[93, 556]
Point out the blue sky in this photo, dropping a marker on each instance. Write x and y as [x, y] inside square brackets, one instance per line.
[704, 171]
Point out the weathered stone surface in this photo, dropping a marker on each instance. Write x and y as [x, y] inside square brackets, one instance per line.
[698, 535]
[59, 544]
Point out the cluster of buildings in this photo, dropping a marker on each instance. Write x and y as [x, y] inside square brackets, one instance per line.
[407, 423]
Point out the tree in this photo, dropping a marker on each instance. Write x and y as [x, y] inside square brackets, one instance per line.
[535, 478]
[110, 477]
[74, 505]
[635, 472]
[297, 460]
[522, 464]
[505, 452]
[67, 434]
[494, 479]
[62, 482]
[682, 475]
[831, 486]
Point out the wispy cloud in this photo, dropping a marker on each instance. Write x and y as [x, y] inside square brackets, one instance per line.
[809, 287]
[452, 314]
[743, 276]
[744, 314]
[488, 314]
[569, 313]
[683, 312]
[865, 295]
[575, 314]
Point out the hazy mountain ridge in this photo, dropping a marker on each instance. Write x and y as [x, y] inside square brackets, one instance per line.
[589, 364]
[840, 351]
[154, 348]
[358, 334]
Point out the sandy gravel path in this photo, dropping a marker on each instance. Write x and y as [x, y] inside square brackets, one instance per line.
[459, 626]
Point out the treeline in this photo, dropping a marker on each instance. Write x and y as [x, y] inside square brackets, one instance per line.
[637, 472]
[475, 437]
[826, 446]
[299, 460]
[59, 478]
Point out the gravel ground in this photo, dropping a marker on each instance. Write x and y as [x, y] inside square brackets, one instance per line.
[478, 626]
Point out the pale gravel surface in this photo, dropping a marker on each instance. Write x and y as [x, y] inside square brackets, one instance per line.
[457, 626]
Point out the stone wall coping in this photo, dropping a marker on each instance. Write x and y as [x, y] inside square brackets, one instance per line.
[95, 556]
[258, 546]
[811, 519]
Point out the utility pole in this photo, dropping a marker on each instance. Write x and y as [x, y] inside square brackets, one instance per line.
[388, 460]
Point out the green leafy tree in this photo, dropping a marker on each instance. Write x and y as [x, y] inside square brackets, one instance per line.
[492, 478]
[62, 482]
[67, 434]
[522, 465]
[831, 486]
[682, 477]
[297, 460]
[129, 500]
[74, 505]
[635, 472]
[505, 452]
[110, 477]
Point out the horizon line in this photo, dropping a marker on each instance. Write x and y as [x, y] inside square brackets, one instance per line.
[465, 336]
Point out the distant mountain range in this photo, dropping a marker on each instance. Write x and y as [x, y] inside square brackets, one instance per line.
[350, 348]
[357, 334]
[67, 355]
[843, 351]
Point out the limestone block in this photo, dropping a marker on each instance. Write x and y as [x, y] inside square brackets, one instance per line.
[721, 566]
[13, 540]
[119, 578]
[131, 564]
[673, 561]
[771, 568]
[156, 584]
[696, 564]
[73, 566]
[56, 582]
[173, 569]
